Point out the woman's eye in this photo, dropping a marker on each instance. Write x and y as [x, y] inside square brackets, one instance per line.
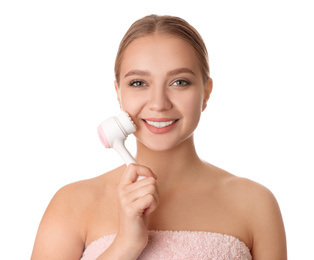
[137, 83]
[181, 83]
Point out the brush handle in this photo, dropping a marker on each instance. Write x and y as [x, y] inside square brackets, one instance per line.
[125, 155]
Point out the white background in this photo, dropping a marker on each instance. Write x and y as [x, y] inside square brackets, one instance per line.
[56, 78]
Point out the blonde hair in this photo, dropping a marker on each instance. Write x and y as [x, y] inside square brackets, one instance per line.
[164, 25]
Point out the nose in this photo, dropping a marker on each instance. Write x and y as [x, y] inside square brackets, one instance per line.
[159, 99]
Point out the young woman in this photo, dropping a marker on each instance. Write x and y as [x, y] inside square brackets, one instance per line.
[185, 208]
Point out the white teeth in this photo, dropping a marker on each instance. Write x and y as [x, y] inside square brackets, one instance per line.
[159, 124]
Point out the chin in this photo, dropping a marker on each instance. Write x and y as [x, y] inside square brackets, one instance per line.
[163, 143]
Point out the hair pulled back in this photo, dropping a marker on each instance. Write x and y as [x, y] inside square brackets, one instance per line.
[172, 25]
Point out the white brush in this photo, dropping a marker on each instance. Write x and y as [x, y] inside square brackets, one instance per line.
[114, 131]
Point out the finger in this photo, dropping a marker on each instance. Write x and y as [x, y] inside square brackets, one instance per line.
[140, 189]
[145, 205]
[132, 172]
[135, 205]
[130, 193]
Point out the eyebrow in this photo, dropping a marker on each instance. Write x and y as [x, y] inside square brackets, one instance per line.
[180, 71]
[137, 72]
[170, 73]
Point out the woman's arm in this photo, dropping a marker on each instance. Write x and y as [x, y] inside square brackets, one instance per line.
[60, 234]
[269, 239]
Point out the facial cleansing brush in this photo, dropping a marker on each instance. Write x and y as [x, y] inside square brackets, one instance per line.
[113, 132]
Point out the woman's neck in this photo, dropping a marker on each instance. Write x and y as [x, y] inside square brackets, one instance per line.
[178, 164]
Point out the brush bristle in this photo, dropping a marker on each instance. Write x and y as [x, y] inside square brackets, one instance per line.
[125, 123]
[130, 119]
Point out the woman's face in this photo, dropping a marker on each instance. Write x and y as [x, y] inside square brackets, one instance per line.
[161, 87]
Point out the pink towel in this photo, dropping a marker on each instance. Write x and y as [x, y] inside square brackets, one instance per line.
[180, 245]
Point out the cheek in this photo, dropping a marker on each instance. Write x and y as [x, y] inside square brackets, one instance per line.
[192, 112]
[192, 105]
[131, 102]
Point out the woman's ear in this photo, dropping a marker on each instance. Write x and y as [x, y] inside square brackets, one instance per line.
[207, 91]
[116, 86]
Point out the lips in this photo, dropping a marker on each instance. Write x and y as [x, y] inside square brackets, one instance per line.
[160, 125]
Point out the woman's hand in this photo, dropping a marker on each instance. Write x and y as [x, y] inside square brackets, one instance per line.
[137, 199]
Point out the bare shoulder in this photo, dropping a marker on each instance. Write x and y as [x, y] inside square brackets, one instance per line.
[264, 220]
[63, 228]
[259, 200]
[86, 191]
[76, 200]
[254, 195]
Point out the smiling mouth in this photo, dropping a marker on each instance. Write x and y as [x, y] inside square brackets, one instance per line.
[160, 124]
